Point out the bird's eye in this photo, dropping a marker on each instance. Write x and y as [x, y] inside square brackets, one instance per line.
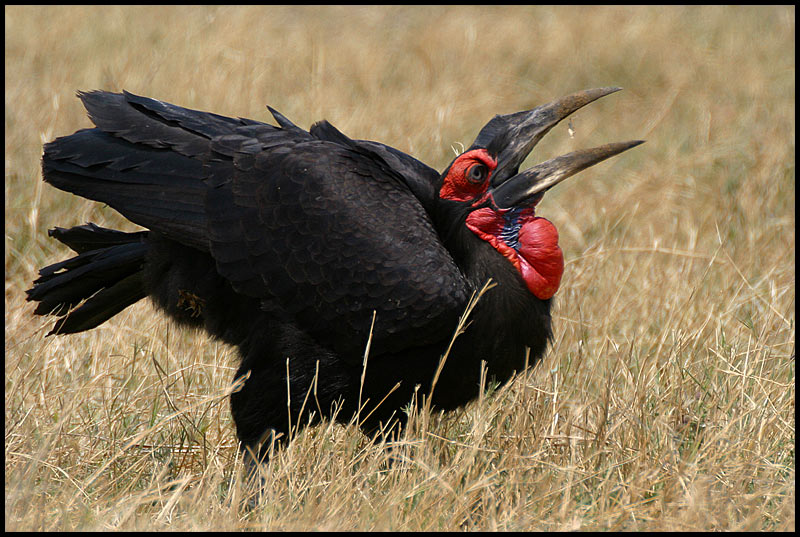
[477, 173]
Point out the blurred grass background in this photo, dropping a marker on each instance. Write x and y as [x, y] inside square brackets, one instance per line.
[667, 400]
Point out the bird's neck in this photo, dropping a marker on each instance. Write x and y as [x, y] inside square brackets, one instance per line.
[509, 310]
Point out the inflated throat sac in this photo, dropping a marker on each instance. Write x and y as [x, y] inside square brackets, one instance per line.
[528, 241]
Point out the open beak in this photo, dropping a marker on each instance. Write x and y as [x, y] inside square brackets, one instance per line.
[522, 188]
[512, 137]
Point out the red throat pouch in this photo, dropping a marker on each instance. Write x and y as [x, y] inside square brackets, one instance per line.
[543, 263]
[529, 242]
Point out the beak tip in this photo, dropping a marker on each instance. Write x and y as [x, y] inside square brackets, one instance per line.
[543, 176]
[597, 93]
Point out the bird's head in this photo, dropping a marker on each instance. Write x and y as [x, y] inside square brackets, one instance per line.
[500, 202]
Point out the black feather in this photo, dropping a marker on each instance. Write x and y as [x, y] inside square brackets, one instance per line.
[286, 243]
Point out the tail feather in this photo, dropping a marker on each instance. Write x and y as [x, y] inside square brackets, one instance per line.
[155, 188]
[104, 279]
[92, 237]
[102, 306]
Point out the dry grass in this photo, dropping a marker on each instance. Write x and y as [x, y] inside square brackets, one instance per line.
[667, 399]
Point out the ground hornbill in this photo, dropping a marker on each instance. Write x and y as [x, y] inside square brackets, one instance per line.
[300, 247]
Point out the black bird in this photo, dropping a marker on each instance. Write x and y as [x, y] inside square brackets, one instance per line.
[299, 247]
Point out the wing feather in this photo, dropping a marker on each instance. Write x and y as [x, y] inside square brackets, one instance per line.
[332, 239]
[322, 229]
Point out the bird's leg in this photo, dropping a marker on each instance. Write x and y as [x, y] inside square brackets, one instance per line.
[254, 458]
[274, 398]
[259, 411]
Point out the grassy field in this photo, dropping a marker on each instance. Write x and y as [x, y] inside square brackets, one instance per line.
[667, 400]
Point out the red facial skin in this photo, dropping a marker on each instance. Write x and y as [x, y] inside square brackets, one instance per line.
[457, 185]
[529, 242]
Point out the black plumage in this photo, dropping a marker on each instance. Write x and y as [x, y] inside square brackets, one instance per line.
[302, 245]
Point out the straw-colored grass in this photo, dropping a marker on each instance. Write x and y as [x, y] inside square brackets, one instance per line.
[667, 399]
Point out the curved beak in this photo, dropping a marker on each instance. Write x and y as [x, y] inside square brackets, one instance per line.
[512, 137]
[523, 188]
